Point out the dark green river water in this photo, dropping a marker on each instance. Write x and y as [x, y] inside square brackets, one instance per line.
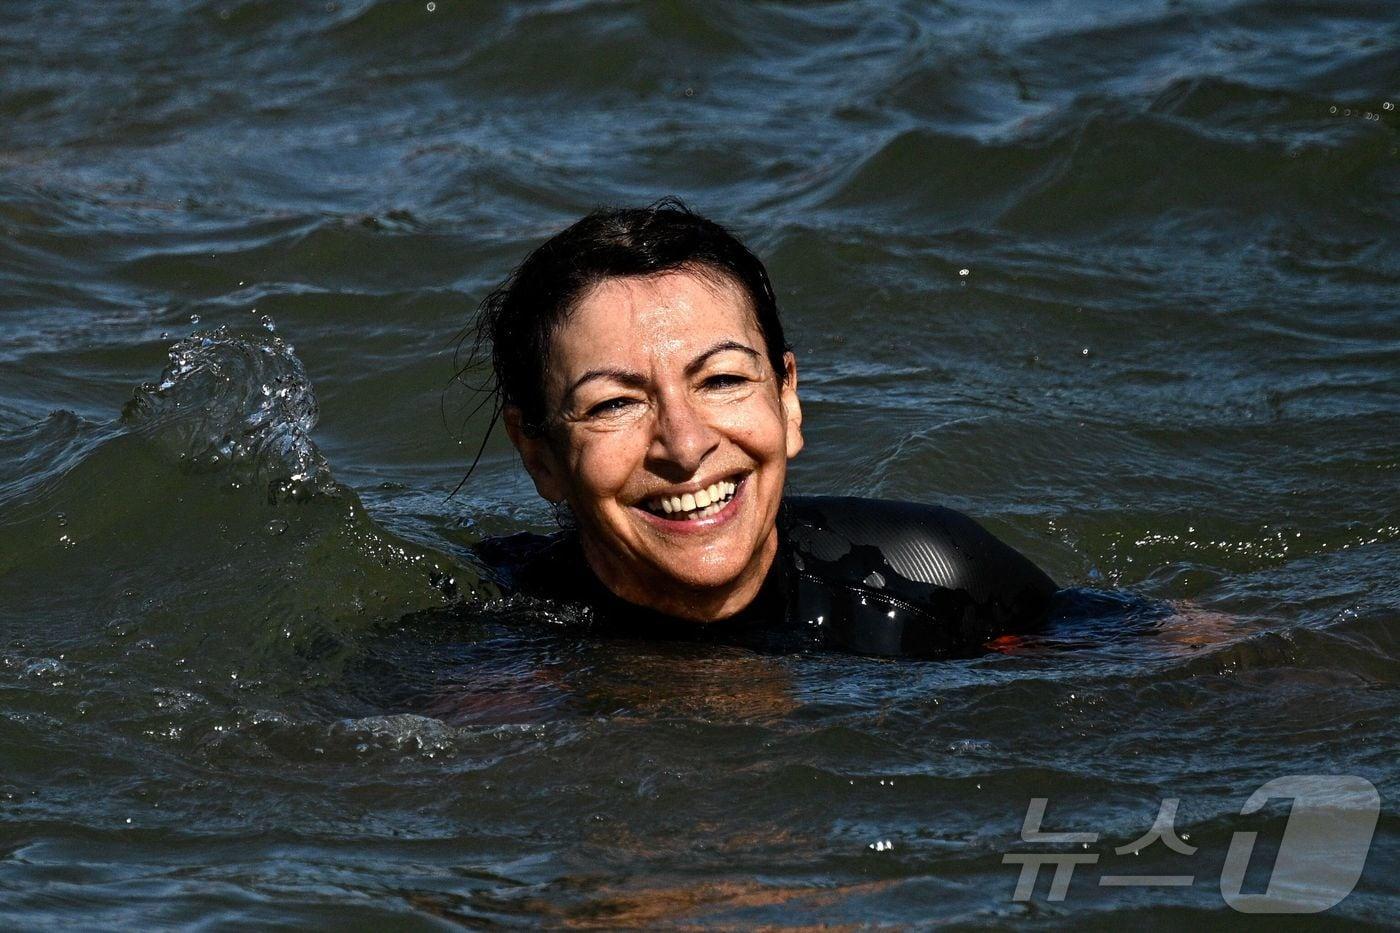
[1121, 280]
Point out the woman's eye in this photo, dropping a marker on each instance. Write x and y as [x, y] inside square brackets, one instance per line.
[724, 381]
[610, 407]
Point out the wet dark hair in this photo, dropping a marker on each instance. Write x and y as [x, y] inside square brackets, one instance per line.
[519, 319]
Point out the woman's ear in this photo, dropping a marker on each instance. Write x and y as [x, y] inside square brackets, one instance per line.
[792, 408]
[536, 454]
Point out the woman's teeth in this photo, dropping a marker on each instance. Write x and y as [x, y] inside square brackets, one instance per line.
[692, 506]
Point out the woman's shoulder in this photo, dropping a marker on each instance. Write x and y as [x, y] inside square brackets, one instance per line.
[891, 577]
[925, 544]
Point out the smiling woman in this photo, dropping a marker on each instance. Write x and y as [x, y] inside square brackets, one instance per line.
[645, 380]
[669, 438]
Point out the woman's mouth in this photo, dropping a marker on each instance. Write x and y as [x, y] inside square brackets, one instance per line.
[695, 507]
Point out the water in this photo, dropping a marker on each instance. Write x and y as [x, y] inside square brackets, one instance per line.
[1119, 279]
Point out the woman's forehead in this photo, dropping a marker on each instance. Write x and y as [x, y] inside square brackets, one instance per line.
[658, 315]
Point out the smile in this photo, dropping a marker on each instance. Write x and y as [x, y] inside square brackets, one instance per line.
[694, 507]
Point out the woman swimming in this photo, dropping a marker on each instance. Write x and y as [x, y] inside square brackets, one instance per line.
[642, 374]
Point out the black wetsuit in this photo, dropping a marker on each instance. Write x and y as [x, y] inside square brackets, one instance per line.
[861, 575]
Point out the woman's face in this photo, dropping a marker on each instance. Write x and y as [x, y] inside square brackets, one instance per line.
[668, 435]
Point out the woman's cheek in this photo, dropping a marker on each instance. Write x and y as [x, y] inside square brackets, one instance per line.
[605, 461]
[755, 420]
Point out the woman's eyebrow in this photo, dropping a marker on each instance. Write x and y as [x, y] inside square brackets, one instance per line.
[635, 380]
[699, 362]
[627, 377]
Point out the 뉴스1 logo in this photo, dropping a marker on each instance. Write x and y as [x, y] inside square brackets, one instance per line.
[1319, 861]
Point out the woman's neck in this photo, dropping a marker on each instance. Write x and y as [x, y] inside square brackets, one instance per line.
[693, 604]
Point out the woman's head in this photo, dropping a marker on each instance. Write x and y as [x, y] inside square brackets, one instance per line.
[643, 373]
[519, 318]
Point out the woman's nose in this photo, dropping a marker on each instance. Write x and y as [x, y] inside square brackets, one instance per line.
[683, 436]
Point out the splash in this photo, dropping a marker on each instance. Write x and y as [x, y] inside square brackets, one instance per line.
[190, 574]
[240, 403]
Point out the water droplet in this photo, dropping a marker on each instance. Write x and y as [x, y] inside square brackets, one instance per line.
[1387, 106]
[194, 318]
[267, 323]
[277, 526]
[62, 518]
[1332, 109]
[1084, 352]
[964, 272]
[432, 7]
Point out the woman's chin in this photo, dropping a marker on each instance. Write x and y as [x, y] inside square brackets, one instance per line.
[713, 568]
[690, 579]
[710, 559]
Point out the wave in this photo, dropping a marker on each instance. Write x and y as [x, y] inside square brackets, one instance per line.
[205, 528]
[1201, 146]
